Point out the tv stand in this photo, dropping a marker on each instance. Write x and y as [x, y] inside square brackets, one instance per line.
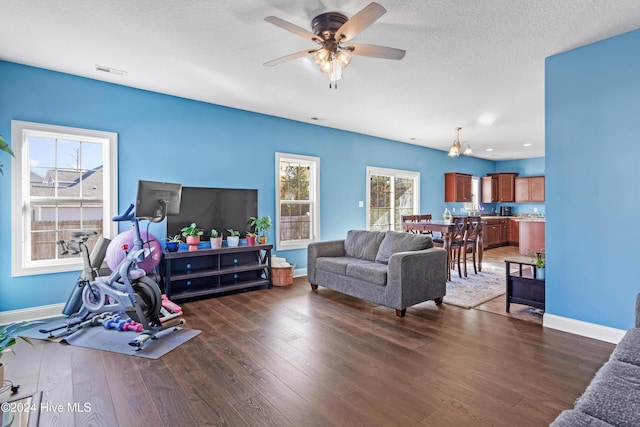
[206, 271]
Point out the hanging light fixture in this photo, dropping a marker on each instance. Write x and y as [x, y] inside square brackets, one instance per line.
[460, 148]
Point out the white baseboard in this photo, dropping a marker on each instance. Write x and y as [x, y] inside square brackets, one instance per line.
[299, 272]
[585, 329]
[33, 313]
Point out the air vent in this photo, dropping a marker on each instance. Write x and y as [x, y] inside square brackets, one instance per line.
[110, 70]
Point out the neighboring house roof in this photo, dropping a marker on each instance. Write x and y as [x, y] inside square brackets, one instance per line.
[69, 184]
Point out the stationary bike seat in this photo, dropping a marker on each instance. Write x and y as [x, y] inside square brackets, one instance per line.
[127, 216]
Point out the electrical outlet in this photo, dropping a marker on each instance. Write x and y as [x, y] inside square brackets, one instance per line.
[535, 210]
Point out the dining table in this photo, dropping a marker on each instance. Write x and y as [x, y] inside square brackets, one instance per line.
[445, 227]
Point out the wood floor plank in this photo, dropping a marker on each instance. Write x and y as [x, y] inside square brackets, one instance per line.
[292, 356]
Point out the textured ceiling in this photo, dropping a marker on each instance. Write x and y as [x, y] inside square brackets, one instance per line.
[465, 59]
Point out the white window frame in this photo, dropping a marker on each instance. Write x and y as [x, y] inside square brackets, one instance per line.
[395, 173]
[314, 199]
[22, 265]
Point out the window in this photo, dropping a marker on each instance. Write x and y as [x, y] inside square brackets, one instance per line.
[475, 196]
[297, 201]
[64, 179]
[390, 194]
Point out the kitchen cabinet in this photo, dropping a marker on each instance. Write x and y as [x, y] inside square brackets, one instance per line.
[530, 189]
[506, 186]
[495, 232]
[457, 187]
[489, 189]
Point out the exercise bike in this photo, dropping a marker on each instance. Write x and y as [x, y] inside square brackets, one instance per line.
[127, 289]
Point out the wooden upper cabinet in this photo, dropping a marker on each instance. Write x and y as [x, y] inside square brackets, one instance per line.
[506, 186]
[530, 189]
[457, 187]
[489, 189]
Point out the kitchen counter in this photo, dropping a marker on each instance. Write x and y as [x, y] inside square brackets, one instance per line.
[531, 236]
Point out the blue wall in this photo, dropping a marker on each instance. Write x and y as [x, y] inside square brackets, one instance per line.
[232, 148]
[593, 180]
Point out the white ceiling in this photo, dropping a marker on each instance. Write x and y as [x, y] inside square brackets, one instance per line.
[465, 59]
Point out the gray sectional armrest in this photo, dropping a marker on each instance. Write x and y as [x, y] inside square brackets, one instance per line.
[413, 274]
[320, 249]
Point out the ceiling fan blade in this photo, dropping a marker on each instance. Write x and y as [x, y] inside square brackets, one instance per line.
[289, 57]
[359, 22]
[375, 51]
[298, 31]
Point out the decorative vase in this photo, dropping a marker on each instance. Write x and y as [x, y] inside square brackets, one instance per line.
[173, 246]
[216, 242]
[193, 240]
[540, 273]
[263, 239]
[233, 241]
[251, 240]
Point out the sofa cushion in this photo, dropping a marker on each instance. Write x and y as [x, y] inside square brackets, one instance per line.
[337, 264]
[400, 242]
[363, 244]
[369, 272]
[628, 349]
[573, 418]
[613, 394]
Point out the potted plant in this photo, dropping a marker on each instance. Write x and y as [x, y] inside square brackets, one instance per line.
[8, 335]
[540, 264]
[261, 225]
[251, 238]
[216, 239]
[233, 238]
[4, 147]
[173, 243]
[192, 233]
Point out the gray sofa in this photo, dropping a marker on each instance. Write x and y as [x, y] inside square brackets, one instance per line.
[393, 269]
[613, 397]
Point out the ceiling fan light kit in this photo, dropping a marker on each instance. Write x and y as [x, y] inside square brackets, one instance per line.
[330, 30]
[460, 148]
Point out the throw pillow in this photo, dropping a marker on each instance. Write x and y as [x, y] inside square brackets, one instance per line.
[400, 242]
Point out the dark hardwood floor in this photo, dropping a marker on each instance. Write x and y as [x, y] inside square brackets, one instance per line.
[289, 356]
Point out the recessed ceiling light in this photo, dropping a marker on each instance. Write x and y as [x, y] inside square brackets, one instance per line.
[318, 119]
[487, 119]
[489, 149]
[527, 145]
[414, 139]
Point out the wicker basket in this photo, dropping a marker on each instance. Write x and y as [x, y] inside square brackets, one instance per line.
[282, 276]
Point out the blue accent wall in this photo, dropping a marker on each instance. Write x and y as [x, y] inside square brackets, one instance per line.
[165, 138]
[593, 181]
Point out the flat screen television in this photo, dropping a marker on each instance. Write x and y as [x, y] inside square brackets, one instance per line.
[219, 208]
[155, 200]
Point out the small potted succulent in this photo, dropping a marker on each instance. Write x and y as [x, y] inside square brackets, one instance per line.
[192, 233]
[540, 263]
[251, 238]
[216, 239]
[261, 226]
[233, 238]
[173, 243]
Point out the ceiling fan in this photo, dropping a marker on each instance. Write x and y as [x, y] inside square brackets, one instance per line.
[331, 30]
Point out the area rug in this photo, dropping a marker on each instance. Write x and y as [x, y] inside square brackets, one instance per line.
[475, 289]
[99, 338]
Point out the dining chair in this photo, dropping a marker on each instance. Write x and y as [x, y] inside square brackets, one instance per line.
[474, 230]
[458, 236]
[417, 218]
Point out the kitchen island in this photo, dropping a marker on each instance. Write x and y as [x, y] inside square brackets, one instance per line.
[531, 235]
